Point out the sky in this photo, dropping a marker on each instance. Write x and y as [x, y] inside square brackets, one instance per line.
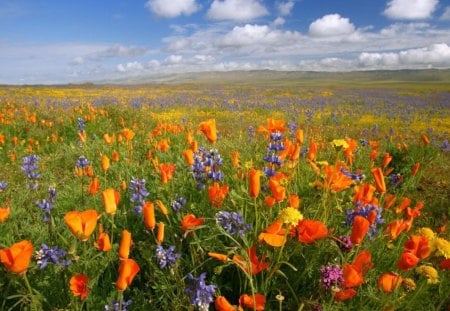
[62, 41]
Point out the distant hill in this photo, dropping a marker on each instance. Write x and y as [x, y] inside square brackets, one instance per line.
[301, 77]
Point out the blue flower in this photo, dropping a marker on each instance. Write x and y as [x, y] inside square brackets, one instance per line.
[3, 185]
[138, 193]
[30, 168]
[233, 222]
[51, 255]
[201, 295]
[80, 125]
[115, 306]
[166, 257]
[82, 162]
[354, 176]
[178, 203]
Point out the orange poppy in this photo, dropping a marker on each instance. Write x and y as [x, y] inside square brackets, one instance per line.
[111, 198]
[4, 213]
[166, 171]
[352, 276]
[222, 304]
[188, 155]
[103, 242]
[221, 257]
[255, 183]
[105, 163]
[194, 145]
[269, 201]
[274, 235]
[364, 194]
[128, 134]
[386, 160]
[115, 156]
[445, 264]
[360, 228]
[78, 285]
[163, 145]
[308, 230]
[127, 271]
[256, 265]
[94, 186]
[209, 129]
[389, 282]
[162, 207]
[373, 154]
[255, 302]
[425, 139]
[293, 201]
[17, 258]
[299, 136]
[379, 179]
[407, 261]
[312, 151]
[189, 222]
[217, 194]
[348, 152]
[82, 224]
[89, 171]
[389, 201]
[278, 191]
[344, 294]
[395, 228]
[125, 245]
[404, 204]
[108, 138]
[418, 245]
[415, 169]
[273, 126]
[363, 262]
[160, 233]
[148, 210]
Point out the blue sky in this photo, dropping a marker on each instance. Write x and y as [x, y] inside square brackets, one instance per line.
[63, 41]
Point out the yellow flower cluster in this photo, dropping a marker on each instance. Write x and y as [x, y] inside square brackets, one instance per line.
[429, 272]
[291, 216]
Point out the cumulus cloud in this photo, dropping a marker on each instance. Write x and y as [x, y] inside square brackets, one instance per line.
[237, 10]
[131, 66]
[410, 9]
[258, 34]
[331, 25]
[172, 8]
[435, 55]
[285, 8]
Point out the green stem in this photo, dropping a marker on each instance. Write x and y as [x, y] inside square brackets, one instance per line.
[30, 290]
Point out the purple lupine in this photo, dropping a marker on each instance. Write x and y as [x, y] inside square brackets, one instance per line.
[233, 223]
[178, 204]
[201, 295]
[51, 255]
[166, 257]
[138, 193]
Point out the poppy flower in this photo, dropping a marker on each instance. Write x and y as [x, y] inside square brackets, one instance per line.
[162, 207]
[103, 242]
[389, 201]
[217, 194]
[344, 294]
[299, 136]
[188, 155]
[235, 159]
[255, 302]
[222, 304]
[419, 246]
[221, 257]
[108, 138]
[386, 160]
[407, 261]
[255, 183]
[160, 233]
[94, 186]
[389, 282]
[4, 213]
[127, 271]
[89, 171]
[360, 228]
[278, 191]
[273, 125]
[379, 180]
[148, 210]
[274, 235]
[125, 245]
[189, 222]
[82, 224]
[105, 163]
[404, 204]
[363, 262]
[308, 230]
[256, 265]
[166, 171]
[415, 169]
[293, 201]
[425, 140]
[128, 134]
[111, 198]
[364, 194]
[335, 180]
[269, 201]
[163, 145]
[78, 285]
[352, 276]
[209, 129]
[17, 258]
[115, 156]
[312, 151]
[395, 228]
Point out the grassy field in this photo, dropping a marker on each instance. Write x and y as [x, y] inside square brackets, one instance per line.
[283, 195]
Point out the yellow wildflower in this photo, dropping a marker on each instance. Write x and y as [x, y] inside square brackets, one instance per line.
[291, 216]
[430, 235]
[429, 272]
[409, 284]
[443, 247]
[340, 144]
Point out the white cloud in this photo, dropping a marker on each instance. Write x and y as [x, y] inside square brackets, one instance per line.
[172, 8]
[446, 15]
[435, 55]
[118, 50]
[331, 25]
[279, 21]
[173, 59]
[237, 10]
[285, 8]
[410, 9]
[131, 66]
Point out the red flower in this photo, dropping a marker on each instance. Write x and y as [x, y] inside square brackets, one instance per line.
[189, 222]
[359, 230]
[256, 265]
[78, 285]
[407, 261]
[308, 230]
[217, 194]
[256, 302]
[345, 294]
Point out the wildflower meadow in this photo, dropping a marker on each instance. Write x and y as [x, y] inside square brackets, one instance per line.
[224, 197]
